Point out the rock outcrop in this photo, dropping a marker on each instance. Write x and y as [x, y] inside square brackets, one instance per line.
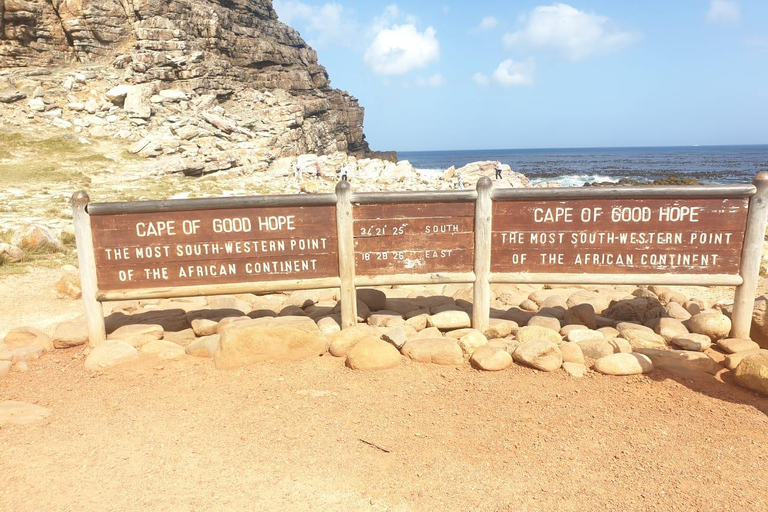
[190, 73]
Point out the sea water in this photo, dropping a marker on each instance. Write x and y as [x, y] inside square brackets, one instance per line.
[574, 167]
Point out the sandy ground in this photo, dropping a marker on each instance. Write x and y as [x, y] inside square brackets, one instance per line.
[313, 435]
[178, 436]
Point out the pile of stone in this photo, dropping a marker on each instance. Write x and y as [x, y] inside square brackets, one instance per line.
[612, 331]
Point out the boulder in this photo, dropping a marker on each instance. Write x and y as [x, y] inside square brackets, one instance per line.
[643, 339]
[693, 341]
[732, 361]
[11, 253]
[491, 358]
[681, 362]
[204, 347]
[583, 314]
[572, 353]
[714, 325]
[623, 364]
[344, 340]
[163, 349]
[752, 373]
[374, 299]
[269, 339]
[21, 337]
[677, 311]
[547, 322]
[471, 341]
[137, 334]
[500, 328]
[577, 370]
[372, 354]
[539, 354]
[734, 345]
[531, 333]
[437, 351]
[34, 237]
[204, 326]
[669, 328]
[110, 353]
[449, 320]
[578, 335]
[637, 310]
[71, 333]
[397, 337]
[596, 348]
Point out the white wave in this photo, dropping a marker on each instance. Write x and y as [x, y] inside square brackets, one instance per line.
[576, 180]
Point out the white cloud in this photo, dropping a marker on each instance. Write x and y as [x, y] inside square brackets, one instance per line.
[488, 23]
[397, 49]
[328, 23]
[726, 12]
[567, 30]
[480, 79]
[512, 72]
[435, 80]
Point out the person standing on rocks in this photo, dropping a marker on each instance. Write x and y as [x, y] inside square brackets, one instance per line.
[497, 167]
[318, 175]
[297, 172]
[344, 172]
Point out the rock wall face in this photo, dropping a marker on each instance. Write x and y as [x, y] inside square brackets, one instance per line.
[219, 47]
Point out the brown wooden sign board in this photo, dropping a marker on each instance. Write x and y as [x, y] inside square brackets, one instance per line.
[648, 235]
[413, 238]
[189, 248]
[619, 236]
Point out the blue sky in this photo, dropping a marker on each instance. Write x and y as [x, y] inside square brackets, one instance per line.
[441, 75]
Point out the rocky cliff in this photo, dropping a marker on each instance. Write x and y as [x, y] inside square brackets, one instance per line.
[235, 72]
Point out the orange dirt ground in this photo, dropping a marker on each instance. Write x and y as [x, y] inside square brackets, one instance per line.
[313, 435]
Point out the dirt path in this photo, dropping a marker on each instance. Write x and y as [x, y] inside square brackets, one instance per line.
[175, 436]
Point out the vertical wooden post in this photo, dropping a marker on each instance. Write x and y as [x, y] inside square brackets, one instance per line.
[344, 227]
[94, 313]
[751, 254]
[481, 307]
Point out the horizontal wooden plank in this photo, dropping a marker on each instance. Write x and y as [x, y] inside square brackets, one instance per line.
[214, 225]
[410, 211]
[216, 271]
[218, 289]
[415, 226]
[621, 214]
[389, 262]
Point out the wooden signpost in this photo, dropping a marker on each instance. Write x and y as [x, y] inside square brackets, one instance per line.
[637, 235]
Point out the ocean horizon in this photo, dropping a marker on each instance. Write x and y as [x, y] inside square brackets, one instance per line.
[709, 164]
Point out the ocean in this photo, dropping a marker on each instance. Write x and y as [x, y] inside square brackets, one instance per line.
[574, 167]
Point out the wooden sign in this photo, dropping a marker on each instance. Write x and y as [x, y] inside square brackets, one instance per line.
[413, 238]
[188, 248]
[619, 236]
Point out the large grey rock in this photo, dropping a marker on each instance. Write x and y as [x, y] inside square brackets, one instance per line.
[373, 354]
[539, 354]
[623, 364]
[693, 341]
[269, 339]
[137, 334]
[639, 338]
[531, 333]
[437, 351]
[752, 373]
[110, 353]
[21, 337]
[734, 345]
[714, 325]
[449, 320]
[71, 333]
[491, 358]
